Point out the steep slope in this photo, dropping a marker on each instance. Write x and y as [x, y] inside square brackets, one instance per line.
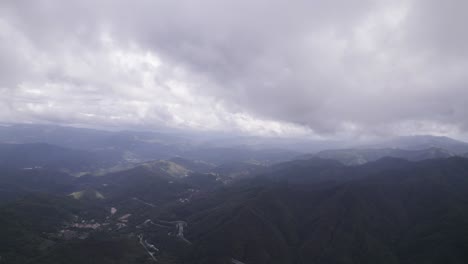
[414, 213]
[15, 183]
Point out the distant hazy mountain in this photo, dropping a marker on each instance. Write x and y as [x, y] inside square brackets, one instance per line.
[40, 155]
[362, 156]
[412, 148]
[424, 142]
[137, 146]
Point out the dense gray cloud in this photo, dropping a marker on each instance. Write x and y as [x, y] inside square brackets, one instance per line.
[328, 68]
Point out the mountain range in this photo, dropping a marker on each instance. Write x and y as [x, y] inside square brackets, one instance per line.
[391, 203]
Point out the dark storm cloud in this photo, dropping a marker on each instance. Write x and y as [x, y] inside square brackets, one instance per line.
[334, 67]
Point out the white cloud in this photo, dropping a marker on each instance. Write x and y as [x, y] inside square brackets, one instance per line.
[328, 68]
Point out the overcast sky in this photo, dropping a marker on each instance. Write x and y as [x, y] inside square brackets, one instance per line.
[277, 67]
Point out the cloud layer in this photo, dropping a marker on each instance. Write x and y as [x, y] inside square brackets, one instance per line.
[325, 68]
